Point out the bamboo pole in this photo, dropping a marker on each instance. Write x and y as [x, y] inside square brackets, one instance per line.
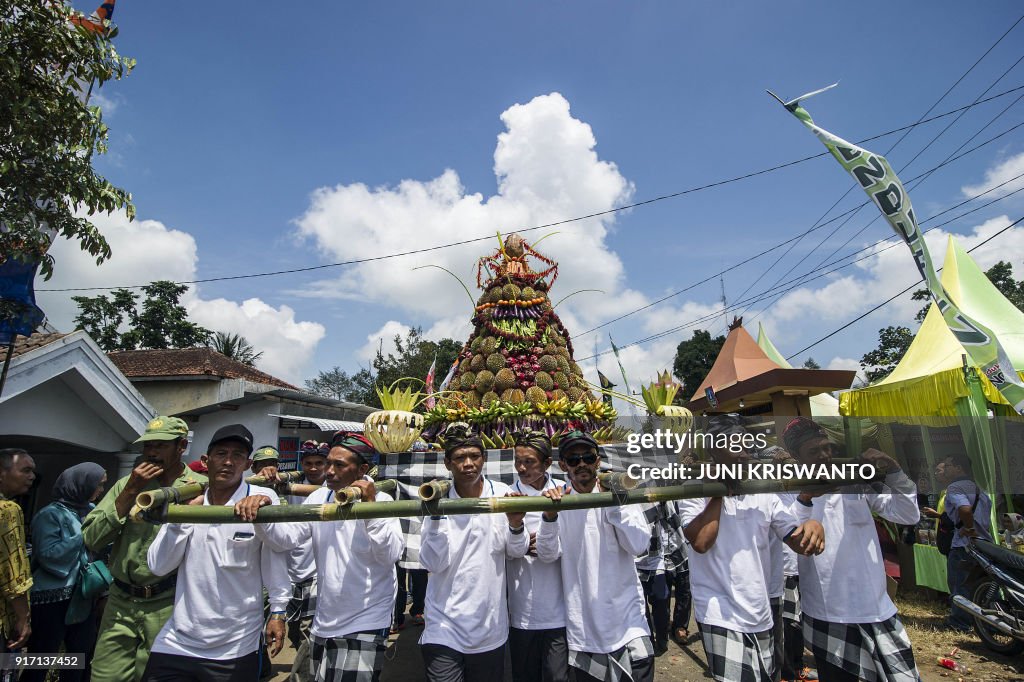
[617, 481]
[435, 490]
[176, 513]
[353, 494]
[282, 477]
[298, 489]
[175, 494]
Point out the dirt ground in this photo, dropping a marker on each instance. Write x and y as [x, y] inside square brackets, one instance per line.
[922, 613]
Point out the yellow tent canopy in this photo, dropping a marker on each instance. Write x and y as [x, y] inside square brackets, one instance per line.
[929, 378]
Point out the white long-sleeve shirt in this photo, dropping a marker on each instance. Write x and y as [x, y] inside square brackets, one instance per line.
[466, 606]
[535, 597]
[846, 582]
[301, 566]
[729, 582]
[355, 566]
[222, 570]
[604, 603]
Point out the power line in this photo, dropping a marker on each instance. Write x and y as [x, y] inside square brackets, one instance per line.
[893, 298]
[597, 214]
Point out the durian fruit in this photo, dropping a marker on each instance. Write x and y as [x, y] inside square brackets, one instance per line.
[563, 364]
[475, 345]
[504, 379]
[484, 380]
[514, 396]
[477, 363]
[536, 394]
[543, 380]
[576, 370]
[562, 351]
[489, 345]
[467, 380]
[548, 363]
[550, 349]
[558, 393]
[576, 394]
[529, 293]
[510, 292]
[488, 398]
[495, 361]
[561, 380]
[471, 399]
[493, 294]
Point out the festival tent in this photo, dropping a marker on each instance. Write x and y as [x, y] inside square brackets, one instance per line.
[822, 404]
[935, 384]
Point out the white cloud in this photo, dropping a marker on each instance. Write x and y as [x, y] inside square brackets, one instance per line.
[148, 250]
[383, 339]
[843, 363]
[997, 175]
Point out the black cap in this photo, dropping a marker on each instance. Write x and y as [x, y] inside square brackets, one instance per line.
[574, 438]
[232, 432]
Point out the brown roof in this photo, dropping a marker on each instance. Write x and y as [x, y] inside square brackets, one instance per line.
[175, 362]
[740, 359]
[24, 344]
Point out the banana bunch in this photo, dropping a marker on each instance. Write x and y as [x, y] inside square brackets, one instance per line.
[496, 442]
[438, 414]
[484, 415]
[553, 408]
[511, 411]
[595, 409]
[610, 434]
[576, 410]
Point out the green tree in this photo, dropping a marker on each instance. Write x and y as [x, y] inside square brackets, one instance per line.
[121, 322]
[1001, 275]
[811, 364]
[412, 358]
[234, 346]
[694, 359]
[338, 384]
[893, 343]
[48, 134]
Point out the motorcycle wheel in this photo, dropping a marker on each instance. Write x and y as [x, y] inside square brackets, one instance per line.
[989, 595]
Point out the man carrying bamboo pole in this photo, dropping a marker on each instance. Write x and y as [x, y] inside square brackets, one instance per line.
[466, 608]
[536, 607]
[214, 633]
[849, 620]
[355, 565]
[731, 565]
[140, 602]
[606, 626]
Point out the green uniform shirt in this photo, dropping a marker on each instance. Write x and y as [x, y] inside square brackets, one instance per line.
[131, 540]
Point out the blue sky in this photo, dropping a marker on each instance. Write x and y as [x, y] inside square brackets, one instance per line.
[254, 140]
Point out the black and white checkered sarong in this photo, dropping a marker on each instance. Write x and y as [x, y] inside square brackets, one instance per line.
[618, 665]
[302, 605]
[868, 651]
[738, 656]
[791, 598]
[356, 658]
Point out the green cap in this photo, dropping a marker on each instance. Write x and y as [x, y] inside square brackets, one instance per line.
[164, 428]
[266, 452]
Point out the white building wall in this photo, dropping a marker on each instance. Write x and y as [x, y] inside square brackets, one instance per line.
[254, 416]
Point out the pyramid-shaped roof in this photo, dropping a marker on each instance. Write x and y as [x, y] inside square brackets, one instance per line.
[928, 379]
[740, 359]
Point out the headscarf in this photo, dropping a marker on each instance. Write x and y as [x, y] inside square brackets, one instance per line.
[357, 444]
[460, 435]
[538, 440]
[308, 447]
[76, 485]
[799, 431]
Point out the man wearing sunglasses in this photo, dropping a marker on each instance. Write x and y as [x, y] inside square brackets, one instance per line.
[606, 626]
[731, 565]
[466, 619]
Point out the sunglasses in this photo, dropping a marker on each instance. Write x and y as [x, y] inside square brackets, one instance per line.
[574, 460]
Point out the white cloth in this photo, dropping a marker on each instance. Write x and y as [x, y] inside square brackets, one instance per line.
[729, 582]
[535, 597]
[776, 567]
[466, 603]
[222, 570]
[355, 566]
[846, 582]
[301, 566]
[604, 603]
[789, 561]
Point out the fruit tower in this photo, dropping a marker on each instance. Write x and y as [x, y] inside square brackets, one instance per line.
[517, 368]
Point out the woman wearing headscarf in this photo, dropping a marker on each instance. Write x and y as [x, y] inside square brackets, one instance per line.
[58, 556]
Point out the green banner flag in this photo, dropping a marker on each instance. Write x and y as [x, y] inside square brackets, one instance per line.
[621, 368]
[877, 178]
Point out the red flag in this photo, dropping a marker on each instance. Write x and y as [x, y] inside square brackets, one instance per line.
[430, 384]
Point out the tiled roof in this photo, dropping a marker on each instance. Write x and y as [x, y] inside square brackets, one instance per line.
[24, 344]
[176, 362]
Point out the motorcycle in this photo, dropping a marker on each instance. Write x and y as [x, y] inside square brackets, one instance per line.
[998, 604]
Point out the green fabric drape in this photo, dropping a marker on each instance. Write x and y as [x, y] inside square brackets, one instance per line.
[972, 412]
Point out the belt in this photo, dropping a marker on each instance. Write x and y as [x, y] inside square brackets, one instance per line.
[147, 591]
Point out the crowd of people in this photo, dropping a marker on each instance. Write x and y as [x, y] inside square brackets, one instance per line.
[583, 593]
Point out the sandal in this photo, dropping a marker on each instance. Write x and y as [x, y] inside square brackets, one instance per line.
[397, 627]
[681, 635]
